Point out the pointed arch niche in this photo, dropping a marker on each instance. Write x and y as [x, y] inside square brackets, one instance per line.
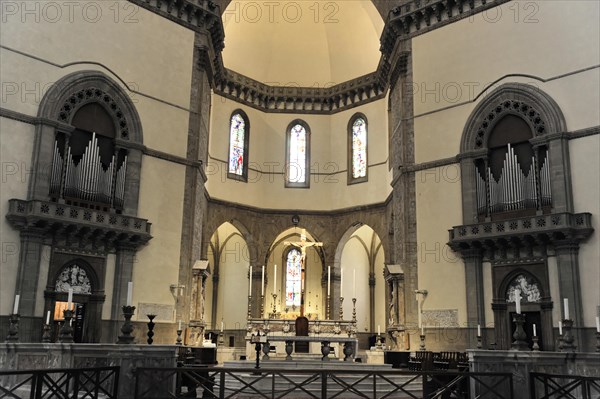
[226, 298]
[360, 252]
[283, 258]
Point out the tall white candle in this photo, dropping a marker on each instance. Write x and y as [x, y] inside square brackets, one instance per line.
[341, 282]
[70, 298]
[179, 325]
[422, 330]
[354, 283]
[560, 327]
[250, 283]
[16, 305]
[478, 330]
[274, 279]
[130, 293]
[48, 317]
[566, 304]
[221, 325]
[597, 324]
[262, 285]
[518, 301]
[378, 329]
[328, 280]
[534, 331]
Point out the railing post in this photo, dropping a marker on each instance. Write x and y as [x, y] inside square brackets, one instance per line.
[324, 384]
[222, 385]
[116, 371]
[531, 385]
[75, 378]
[36, 385]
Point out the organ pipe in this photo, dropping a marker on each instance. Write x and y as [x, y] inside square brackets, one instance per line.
[514, 189]
[88, 180]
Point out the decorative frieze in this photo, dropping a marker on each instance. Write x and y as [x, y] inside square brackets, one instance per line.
[519, 236]
[73, 226]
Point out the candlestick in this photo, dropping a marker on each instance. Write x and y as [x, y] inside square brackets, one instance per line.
[518, 301]
[354, 283]
[129, 293]
[46, 336]
[354, 309]
[16, 306]
[560, 328]
[249, 307]
[178, 341]
[328, 280]
[48, 317]
[536, 346]
[127, 328]
[341, 281]
[262, 305]
[566, 305]
[66, 332]
[341, 308]
[13, 328]
[262, 285]
[597, 341]
[479, 342]
[151, 325]
[422, 344]
[274, 305]
[250, 283]
[274, 278]
[519, 344]
[328, 315]
[568, 338]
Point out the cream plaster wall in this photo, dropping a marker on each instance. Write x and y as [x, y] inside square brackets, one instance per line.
[120, 40]
[441, 272]
[156, 265]
[354, 256]
[585, 167]
[540, 41]
[16, 147]
[328, 184]
[553, 45]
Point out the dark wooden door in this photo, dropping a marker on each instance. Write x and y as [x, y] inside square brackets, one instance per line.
[301, 331]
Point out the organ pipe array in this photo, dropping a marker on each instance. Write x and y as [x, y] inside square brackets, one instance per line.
[514, 190]
[88, 180]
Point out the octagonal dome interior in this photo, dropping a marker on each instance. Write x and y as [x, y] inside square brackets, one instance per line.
[305, 43]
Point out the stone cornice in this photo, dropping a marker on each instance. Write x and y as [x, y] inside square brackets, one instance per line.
[416, 17]
[543, 230]
[72, 226]
[412, 18]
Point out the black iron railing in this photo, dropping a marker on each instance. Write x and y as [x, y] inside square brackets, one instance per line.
[226, 383]
[82, 383]
[550, 386]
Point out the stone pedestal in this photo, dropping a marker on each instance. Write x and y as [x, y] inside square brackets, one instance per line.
[375, 357]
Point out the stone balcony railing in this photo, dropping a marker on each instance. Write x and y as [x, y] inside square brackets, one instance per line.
[78, 226]
[525, 231]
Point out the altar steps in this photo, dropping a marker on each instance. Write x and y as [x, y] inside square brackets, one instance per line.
[336, 383]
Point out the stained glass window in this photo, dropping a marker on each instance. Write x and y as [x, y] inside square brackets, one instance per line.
[359, 148]
[297, 154]
[293, 278]
[238, 136]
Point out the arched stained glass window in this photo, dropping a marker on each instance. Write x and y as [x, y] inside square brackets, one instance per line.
[298, 142]
[238, 146]
[293, 278]
[357, 169]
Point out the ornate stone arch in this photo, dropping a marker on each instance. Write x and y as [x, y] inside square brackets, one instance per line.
[533, 105]
[530, 280]
[76, 269]
[57, 109]
[546, 121]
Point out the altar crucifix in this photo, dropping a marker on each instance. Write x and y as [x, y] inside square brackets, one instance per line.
[302, 245]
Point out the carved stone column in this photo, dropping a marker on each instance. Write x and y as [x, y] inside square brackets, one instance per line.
[396, 309]
[200, 273]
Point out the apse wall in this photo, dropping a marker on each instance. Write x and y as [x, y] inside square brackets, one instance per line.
[329, 188]
[120, 40]
[454, 67]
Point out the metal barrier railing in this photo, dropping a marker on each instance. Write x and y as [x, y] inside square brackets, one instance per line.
[552, 386]
[230, 383]
[81, 383]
